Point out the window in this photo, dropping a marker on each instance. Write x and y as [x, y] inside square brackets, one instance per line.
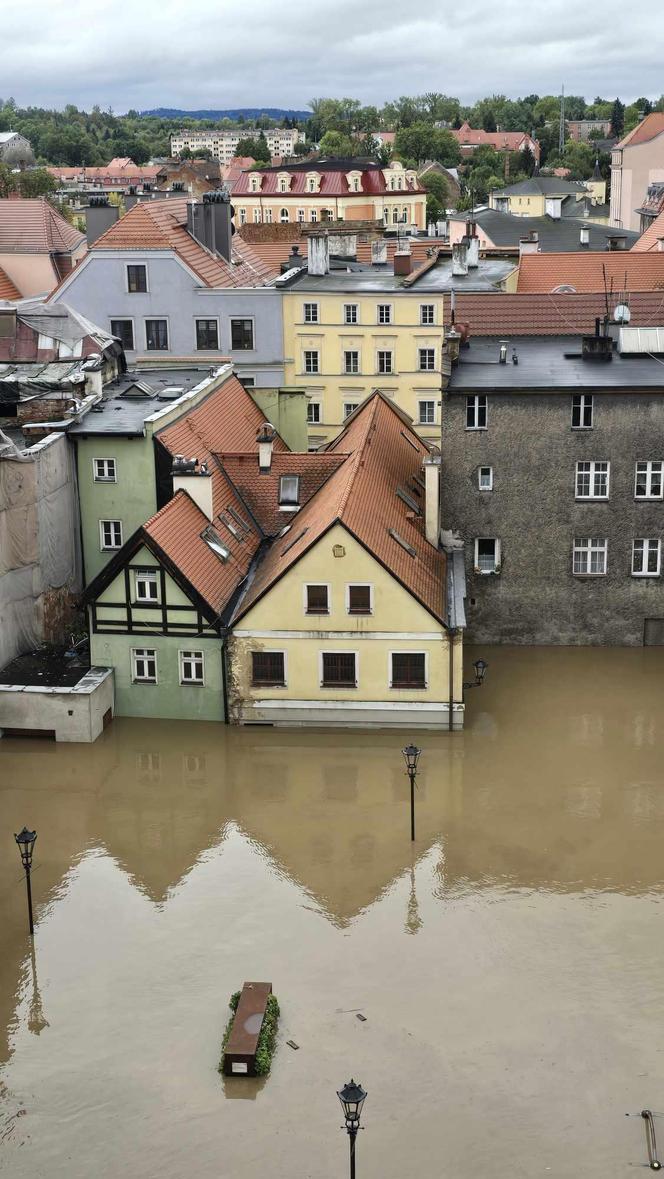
[311, 312]
[283, 216]
[137, 279]
[300, 215]
[408, 669]
[476, 412]
[351, 313]
[267, 216]
[145, 585]
[349, 407]
[242, 335]
[338, 669]
[427, 360]
[311, 358]
[144, 665]
[156, 335]
[243, 216]
[311, 187]
[192, 667]
[316, 599]
[215, 543]
[582, 411]
[592, 480]
[313, 413]
[248, 382]
[207, 335]
[485, 478]
[590, 557]
[427, 411]
[487, 555]
[359, 599]
[646, 556]
[124, 330]
[104, 470]
[283, 184]
[648, 483]
[313, 216]
[384, 313]
[268, 668]
[110, 534]
[351, 362]
[289, 490]
[427, 313]
[384, 362]
[257, 216]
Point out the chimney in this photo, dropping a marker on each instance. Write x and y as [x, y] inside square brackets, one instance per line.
[265, 438]
[616, 241]
[584, 236]
[379, 252]
[453, 344]
[217, 214]
[196, 223]
[473, 243]
[502, 351]
[459, 259]
[402, 259]
[130, 197]
[432, 497]
[318, 253]
[529, 245]
[294, 261]
[553, 207]
[99, 217]
[196, 480]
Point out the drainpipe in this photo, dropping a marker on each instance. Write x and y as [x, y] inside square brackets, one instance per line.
[224, 632]
[450, 705]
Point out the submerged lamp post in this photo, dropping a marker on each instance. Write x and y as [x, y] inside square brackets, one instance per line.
[26, 842]
[352, 1098]
[479, 666]
[411, 756]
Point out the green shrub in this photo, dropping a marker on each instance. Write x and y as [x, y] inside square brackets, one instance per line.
[267, 1040]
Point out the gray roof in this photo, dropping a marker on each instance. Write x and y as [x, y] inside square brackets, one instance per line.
[541, 185]
[550, 363]
[362, 279]
[505, 229]
[119, 413]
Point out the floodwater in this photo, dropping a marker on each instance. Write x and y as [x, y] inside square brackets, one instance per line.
[510, 963]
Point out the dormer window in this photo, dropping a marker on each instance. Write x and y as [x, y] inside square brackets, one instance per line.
[354, 181]
[283, 182]
[255, 183]
[289, 491]
[313, 182]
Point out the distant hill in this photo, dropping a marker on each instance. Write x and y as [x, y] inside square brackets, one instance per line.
[246, 112]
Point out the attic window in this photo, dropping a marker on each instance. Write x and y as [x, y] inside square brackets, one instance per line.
[238, 520]
[214, 541]
[232, 528]
[404, 543]
[408, 500]
[293, 541]
[289, 490]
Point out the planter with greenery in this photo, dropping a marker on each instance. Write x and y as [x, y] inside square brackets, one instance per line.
[267, 1039]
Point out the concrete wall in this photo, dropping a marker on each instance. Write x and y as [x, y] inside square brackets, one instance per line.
[73, 714]
[98, 290]
[286, 409]
[533, 511]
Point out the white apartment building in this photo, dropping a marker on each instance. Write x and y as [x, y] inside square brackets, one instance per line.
[223, 144]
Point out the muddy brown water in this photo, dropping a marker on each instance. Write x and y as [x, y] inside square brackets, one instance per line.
[510, 965]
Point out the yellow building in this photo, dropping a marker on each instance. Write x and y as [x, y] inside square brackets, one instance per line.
[542, 196]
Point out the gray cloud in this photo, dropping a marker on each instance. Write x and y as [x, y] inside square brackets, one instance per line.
[228, 53]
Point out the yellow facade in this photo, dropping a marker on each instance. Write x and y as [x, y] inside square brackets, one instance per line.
[333, 389]
[397, 623]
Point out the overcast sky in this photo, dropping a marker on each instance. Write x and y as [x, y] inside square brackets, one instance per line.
[230, 53]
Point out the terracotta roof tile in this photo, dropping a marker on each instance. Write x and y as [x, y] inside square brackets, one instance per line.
[494, 314]
[34, 227]
[648, 242]
[227, 420]
[624, 270]
[648, 128]
[7, 288]
[260, 490]
[467, 136]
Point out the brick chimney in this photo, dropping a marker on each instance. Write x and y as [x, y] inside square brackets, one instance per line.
[402, 259]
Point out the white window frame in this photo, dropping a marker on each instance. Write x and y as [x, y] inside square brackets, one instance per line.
[306, 307]
[355, 613]
[147, 283]
[242, 215]
[199, 657]
[284, 220]
[479, 478]
[353, 308]
[426, 368]
[270, 651]
[584, 399]
[587, 545]
[477, 399]
[352, 372]
[649, 464]
[336, 651]
[385, 352]
[390, 677]
[104, 478]
[315, 403]
[594, 474]
[109, 548]
[422, 421]
[425, 322]
[311, 372]
[149, 577]
[496, 558]
[268, 215]
[389, 308]
[647, 541]
[289, 505]
[257, 216]
[301, 216]
[349, 407]
[313, 216]
[146, 654]
[317, 613]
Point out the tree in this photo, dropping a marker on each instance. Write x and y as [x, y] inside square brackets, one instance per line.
[489, 121]
[437, 195]
[35, 183]
[185, 153]
[617, 118]
[528, 162]
[423, 142]
[334, 143]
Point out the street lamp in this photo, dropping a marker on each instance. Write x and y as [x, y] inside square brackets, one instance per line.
[26, 842]
[480, 666]
[352, 1098]
[411, 756]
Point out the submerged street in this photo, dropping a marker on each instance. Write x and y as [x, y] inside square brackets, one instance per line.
[509, 963]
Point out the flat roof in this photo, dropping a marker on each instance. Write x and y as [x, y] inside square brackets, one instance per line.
[551, 363]
[119, 414]
[367, 279]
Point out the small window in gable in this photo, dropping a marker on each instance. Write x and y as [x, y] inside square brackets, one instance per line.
[146, 585]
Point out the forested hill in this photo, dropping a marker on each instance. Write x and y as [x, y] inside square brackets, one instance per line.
[245, 112]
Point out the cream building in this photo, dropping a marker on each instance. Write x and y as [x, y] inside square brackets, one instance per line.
[223, 144]
[636, 162]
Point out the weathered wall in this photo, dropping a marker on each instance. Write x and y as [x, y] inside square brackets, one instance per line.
[73, 714]
[533, 511]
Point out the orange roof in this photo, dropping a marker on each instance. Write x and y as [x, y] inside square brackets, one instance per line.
[650, 237]
[162, 225]
[227, 420]
[7, 288]
[493, 313]
[384, 454]
[32, 226]
[621, 269]
[648, 128]
[260, 492]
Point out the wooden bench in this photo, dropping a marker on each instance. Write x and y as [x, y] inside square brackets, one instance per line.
[240, 1053]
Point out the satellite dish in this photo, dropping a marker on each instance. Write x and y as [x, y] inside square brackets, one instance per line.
[622, 313]
[564, 289]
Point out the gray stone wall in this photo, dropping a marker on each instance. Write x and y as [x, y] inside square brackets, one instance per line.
[533, 511]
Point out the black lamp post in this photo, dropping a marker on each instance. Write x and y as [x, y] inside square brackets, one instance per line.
[480, 666]
[26, 842]
[411, 757]
[352, 1098]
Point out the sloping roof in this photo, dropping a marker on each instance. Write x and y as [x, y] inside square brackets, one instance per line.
[649, 128]
[497, 314]
[563, 234]
[227, 420]
[384, 454]
[62, 323]
[649, 240]
[7, 288]
[162, 225]
[467, 136]
[34, 227]
[260, 490]
[333, 179]
[622, 270]
[542, 186]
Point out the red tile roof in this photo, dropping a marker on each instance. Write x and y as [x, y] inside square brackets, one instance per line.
[34, 227]
[333, 181]
[648, 128]
[384, 453]
[649, 239]
[227, 420]
[7, 288]
[623, 270]
[467, 136]
[121, 170]
[260, 490]
[491, 313]
[162, 225]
